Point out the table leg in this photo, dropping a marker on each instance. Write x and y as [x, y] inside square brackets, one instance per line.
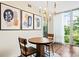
[40, 51]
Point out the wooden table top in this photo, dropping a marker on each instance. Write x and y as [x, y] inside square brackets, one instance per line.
[40, 40]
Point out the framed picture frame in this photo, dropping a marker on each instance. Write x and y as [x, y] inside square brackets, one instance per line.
[37, 22]
[10, 18]
[27, 20]
[0, 16]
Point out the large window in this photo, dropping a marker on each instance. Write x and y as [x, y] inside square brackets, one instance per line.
[66, 19]
[76, 27]
[71, 27]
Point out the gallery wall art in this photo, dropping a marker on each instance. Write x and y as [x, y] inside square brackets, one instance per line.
[27, 20]
[10, 17]
[37, 22]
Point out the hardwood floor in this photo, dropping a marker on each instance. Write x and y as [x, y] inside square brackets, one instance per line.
[66, 50]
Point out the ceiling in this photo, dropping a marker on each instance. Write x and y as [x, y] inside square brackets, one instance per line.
[60, 5]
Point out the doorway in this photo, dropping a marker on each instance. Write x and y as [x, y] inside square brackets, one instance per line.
[45, 27]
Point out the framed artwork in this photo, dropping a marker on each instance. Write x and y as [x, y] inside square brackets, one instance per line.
[27, 20]
[37, 22]
[10, 17]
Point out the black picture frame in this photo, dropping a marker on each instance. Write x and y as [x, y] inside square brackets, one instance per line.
[39, 23]
[1, 16]
[28, 14]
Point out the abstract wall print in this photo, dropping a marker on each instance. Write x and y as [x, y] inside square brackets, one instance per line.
[27, 20]
[37, 22]
[10, 17]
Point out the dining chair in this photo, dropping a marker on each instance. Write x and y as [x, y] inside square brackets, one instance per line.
[48, 46]
[25, 51]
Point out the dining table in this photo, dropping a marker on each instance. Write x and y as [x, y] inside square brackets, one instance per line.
[40, 42]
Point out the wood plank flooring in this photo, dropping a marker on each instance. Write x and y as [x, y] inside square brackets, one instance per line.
[66, 50]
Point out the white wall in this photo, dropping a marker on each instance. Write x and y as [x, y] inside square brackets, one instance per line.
[58, 28]
[9, 45]
[9, 41]
[50, 25]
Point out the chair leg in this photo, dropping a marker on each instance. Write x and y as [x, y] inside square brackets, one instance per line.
[46, 48]
[52, 48]
[49, 49]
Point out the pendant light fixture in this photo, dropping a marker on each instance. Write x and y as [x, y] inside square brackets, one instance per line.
[54, 12]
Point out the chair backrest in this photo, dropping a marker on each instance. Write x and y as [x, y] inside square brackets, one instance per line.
[22, 43]
[50, 36]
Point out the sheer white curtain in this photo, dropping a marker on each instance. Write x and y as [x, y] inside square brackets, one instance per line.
[58, 28]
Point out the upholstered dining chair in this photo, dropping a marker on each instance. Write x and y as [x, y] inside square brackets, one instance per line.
[25, 51]
[48, 46]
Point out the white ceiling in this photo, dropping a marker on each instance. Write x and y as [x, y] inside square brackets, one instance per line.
[66, 5]
[61, 5]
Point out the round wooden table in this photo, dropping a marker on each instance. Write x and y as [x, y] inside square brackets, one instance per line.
[40, 42]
